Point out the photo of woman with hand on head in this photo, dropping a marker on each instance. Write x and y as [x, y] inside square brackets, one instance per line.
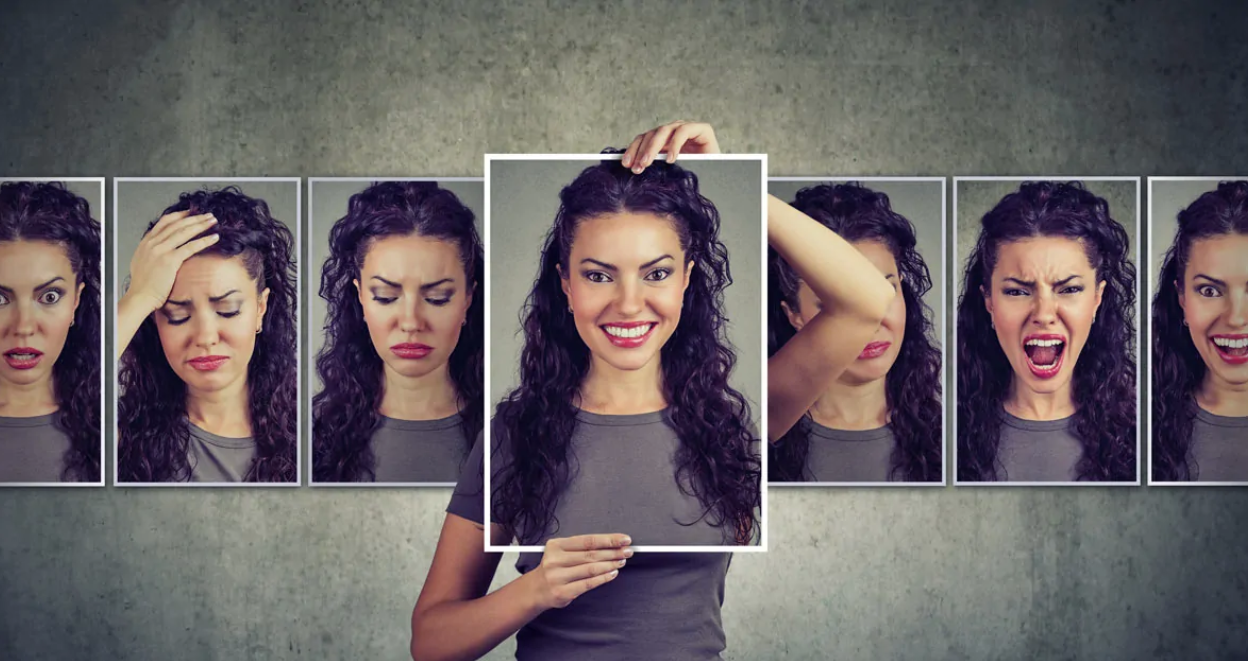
[623, 413]
[207, 375]
[1200, 339]
[402, 363]
[1046, 367]
[864, 382]
[49, 335]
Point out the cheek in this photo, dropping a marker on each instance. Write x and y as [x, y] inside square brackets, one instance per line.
[378, 318]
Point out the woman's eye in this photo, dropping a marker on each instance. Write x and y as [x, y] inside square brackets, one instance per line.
[177, 322]
[1208, 291]
[597, 276]
[1073, 289]
[438, 301]
[227, 315]
[384, 300]
[658, 275]
[50, 297]
[1015, 292]
[4, 300]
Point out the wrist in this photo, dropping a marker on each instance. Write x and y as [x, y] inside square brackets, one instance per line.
[532, 594]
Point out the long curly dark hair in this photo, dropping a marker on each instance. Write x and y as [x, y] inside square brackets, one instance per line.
[1103, 385]
[151, 416]
[716, 461]
[1178, 369]
[913, 384]
[345, 413]
[31, 211]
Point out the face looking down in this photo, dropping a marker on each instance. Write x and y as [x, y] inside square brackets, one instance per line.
[1214, 298]
[625, 282]
[39, 294]
[208, 327]
[1043, 297]
[879, 355]
[415, 297]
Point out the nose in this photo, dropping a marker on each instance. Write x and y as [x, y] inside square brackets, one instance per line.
[24, 321]
[1045, 310]
[1239, 310]
[207, 333]
[630, 301]
[412, 319]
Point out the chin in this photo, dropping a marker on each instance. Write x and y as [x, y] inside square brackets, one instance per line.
[625, 363]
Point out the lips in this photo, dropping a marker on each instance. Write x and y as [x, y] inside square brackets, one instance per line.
[411, 350]
[1233, 349]
[207, 363]
[23, 358]
[874, 350]
[629, 334]
[1045, 354]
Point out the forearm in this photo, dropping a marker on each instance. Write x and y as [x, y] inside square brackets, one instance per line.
[130, 315]
[468, 629]
[840, 276]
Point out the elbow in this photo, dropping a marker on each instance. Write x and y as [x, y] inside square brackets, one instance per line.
[876, 306]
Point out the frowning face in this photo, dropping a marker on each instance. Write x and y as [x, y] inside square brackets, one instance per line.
[1043, 301]
[208, 326]
[625, 281]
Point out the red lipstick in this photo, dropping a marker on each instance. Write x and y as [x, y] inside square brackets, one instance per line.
[1057, 352]
[23, 358]
[208, 363]
[1230, 355]
[629, 340]
[411, 350]
[874, 350]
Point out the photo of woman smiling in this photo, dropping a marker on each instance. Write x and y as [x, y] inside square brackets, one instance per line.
[401, 367]
[622, 428]
[50, 425]
[1046, 367]
[207, 334]
[1200, 331]
[855, 371]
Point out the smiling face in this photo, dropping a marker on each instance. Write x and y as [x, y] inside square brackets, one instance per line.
[1043, 300]
[1214, 296]
[878, 356]
[209, 324]
[415, 298]
[38, 297]
[625, 281]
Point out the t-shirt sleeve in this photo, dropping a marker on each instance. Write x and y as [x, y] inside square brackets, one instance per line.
[468, 499]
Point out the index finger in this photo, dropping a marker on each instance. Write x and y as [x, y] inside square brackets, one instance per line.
[591, 542]
[176, 219]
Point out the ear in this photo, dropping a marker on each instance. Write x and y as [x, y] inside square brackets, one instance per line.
[795, 318]
[358, 293]
[78, 295]
[262, 306]
[468, 297]
[1100, 293]
[987, 299]
[1182, 296]
[563, 281]
[688, 274]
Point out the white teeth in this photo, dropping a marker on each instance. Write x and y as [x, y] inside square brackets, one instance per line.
[1043, 343]
[637, 331]
[23, 356]
[1228, 343]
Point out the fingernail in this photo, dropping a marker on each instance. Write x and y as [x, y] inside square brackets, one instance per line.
[626, 161]
[628, 553]
[626, 540]
[613, 573]
[637, 170]
[621, 563]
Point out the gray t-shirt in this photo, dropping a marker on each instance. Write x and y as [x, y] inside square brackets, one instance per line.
[1220, 447]
[218, 458]
[840, 455]
[32, 449]
[1038, 450]
[418, 450]
[662, 605]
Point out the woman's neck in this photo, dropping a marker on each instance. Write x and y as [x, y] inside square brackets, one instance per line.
[1221, 398]
[610, 391]
[852, 407]
[27, 400]
[225, 412]
[1027, 404]
[429, 397]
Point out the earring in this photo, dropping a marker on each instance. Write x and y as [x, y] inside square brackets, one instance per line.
[1184, 322]
[464, 322]
[259, 329]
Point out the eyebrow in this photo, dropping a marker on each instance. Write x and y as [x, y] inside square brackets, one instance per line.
[437, 283]
[1032, 283]
[613, 267]
[37, 287]
[211, 299]
[1213, 280]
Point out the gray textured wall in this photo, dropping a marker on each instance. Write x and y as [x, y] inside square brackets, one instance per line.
[422, 88]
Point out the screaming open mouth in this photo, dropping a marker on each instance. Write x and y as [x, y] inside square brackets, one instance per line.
[1231, 348]
[1045, 354]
